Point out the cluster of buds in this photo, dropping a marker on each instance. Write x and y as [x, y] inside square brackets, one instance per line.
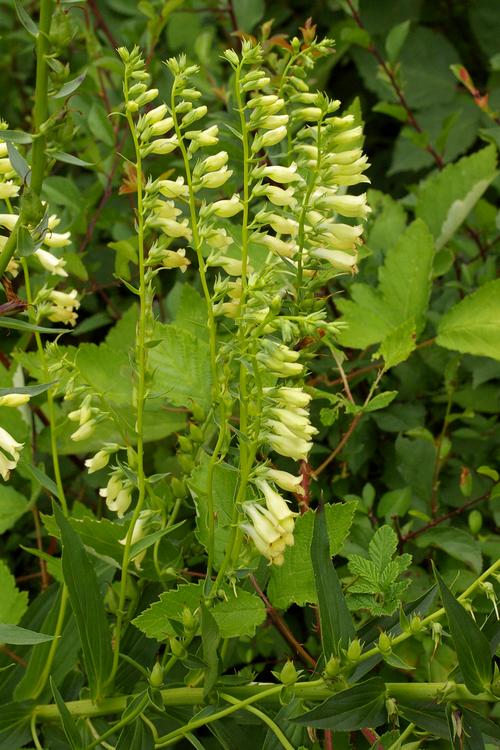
[287, 428]
[48, 260]
[58, 307]
[8, 177]
[118, 493]
[85, 418]
[9, 447]
[272, 526]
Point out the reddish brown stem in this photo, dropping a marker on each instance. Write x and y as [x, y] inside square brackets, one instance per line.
[5, 650]
[451, 514]
[283, 628]
[339, 447]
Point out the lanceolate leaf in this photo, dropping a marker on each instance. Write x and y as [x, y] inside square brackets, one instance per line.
[87, 604]
[15, 635]
[473, 325]
[337, 627]
[471, 645]
[210, 638]
[359, 706]
[68, 723]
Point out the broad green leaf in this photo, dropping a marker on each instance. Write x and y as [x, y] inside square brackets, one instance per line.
[13, 603]
[402, 295]
[181, 366]
[359, 706]
[17, 636]
[224, 485]
[398, 345]
[473, 325]
[427, 716]
[248, 13]
[235, 616]
[446, 198]
[14, 725]
[210, 638]
[471, 645]
[101, 535]
[456, 542]
[87, 604]
[12, 506]
[337, 626]
[67, 721]
[293, 582]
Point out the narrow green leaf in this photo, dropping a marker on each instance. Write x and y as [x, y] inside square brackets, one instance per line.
[337, 627]
[30, 390]
[23, 325]
[150, 539]
[67, 721]
[70, 159]
[135, 736]
[16, 636]
[16, 136]
[210, 638]
[359, 706]
[25, 19]
[39, 476]
[69, 87]
[471, 645]
[19, 163]
[473, 325]
[87, 604]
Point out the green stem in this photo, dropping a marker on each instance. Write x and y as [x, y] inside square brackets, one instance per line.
[303, 214]
[54, 644]
[141, 363]
[435, 615]
[403, 736]
[40, 112]
[128, 719]
[264, 718]
[314, 691]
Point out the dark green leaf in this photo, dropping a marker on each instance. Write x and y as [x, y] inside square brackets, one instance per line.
[87, 604]
[16, 136]
[31, 390]
[23, 325]
[19, 163]
[472, 647]
[39, 476]
[14, 725]
[135, 736]
[16, 636]
[68, 723]
[359, 706]
[70, 159]
[427, 716]
[337, 627]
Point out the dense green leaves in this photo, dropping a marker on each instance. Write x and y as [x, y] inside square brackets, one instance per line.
[354, 708]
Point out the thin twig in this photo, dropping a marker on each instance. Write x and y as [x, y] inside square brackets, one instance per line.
[283, 628]
[346, 436]
[451, 514]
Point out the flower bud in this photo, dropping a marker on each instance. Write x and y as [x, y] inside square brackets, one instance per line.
[188, 620]
[333, 667]
[156, 676]
[97, 462]
[289, 674]
[416, 624]
[354, 651]
[14, 399]
[384, 644]
[84, 431]
[177, 648]
[215, 162]
[216, 179]
[227, 208]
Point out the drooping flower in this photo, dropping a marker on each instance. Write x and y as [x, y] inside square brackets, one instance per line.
[51, 263]
[12, 448]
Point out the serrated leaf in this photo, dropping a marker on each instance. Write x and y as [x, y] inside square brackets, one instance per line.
[210, 638]
[446, 198]
[237, 616]
[382, 546]
[398, 345]
[16, 636]
[471, 645]
[473, 325]
[337, 626]
[402, 296]
[13, 603]
[87, 604]
[357, 707]
[293, 582]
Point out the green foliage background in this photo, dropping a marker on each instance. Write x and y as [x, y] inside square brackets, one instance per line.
[422, 457]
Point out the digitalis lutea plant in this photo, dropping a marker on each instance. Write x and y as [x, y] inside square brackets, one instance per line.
[262, 249]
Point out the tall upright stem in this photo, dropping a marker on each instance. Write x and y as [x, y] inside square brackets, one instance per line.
[40, 112]
[141, 364]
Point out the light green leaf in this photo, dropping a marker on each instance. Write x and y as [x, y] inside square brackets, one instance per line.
[402, 295]
[473, 325]
[69, 87]
[293, 582]
[396, 39]
[380, 401]
[398, 345]
[13, 603]
[446, 198]
[12, 507]
[181, 366]
[248, 13]
[237, 616]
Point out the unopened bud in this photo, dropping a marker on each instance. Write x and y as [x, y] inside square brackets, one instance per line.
[185, 444]
[332, 668]
[415, 624]
[354, 650]
[186, 462]
[188, 620]
[178, 488]
[196, 433]
[288, 674]
[156, 676]
[177, 648]
[384, 644]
